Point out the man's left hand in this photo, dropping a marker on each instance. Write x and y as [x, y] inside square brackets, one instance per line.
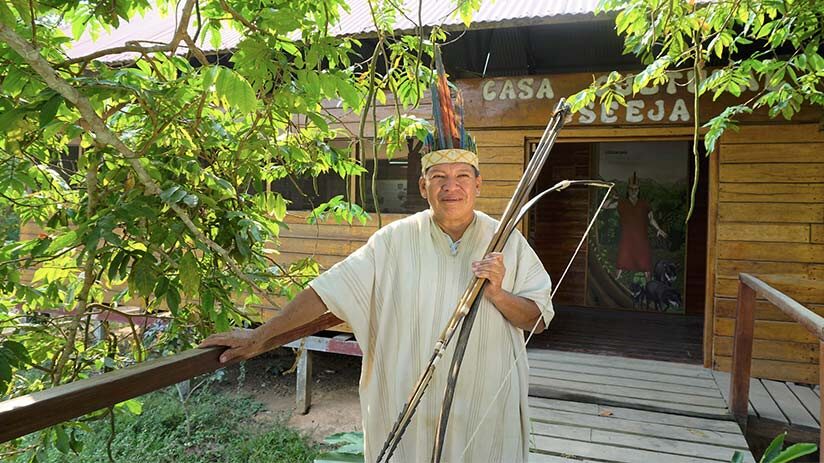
[493, 269]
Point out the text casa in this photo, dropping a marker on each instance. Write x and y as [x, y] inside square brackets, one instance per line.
[637, 110]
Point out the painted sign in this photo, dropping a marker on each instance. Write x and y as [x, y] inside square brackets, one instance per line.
[670, 103]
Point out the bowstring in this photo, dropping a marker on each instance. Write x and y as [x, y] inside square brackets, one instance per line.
[535, 326]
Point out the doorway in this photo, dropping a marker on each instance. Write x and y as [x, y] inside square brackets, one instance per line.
[635, 292]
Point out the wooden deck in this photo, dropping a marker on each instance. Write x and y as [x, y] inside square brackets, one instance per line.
[596, 408]
[777, 406]
[631, 334]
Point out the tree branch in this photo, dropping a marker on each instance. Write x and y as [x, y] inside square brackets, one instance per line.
[105, 136]
[133, 46]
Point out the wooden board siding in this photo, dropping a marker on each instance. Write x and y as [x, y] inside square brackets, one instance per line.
[696, 252]
[765, 200]
[328, 242]
[560, 220]
[769, 221]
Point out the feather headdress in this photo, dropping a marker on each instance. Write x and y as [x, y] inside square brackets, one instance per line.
[450, 142]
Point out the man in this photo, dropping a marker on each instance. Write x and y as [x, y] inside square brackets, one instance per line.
[634, 250]
[398, 292]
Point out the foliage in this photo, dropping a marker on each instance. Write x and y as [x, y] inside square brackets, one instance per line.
[168, 201]
[347, 447]
[768, 45]
[211, 426]
[775, 452]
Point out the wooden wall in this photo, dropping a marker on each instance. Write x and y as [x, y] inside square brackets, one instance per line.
[560, 220]
[769, 220]
[766, 208]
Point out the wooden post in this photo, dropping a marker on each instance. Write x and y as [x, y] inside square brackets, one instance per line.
[304, 386]
[101, 331]
[821, 407]
[742, 353]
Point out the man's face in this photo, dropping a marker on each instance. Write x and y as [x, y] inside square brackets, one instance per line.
[451, 190]
[633, 191]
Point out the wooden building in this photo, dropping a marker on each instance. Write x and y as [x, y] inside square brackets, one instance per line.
[759, 207]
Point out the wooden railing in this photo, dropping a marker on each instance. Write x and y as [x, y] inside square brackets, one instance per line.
[750, 287]
[29, 413]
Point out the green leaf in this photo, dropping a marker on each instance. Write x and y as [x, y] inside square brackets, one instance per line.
[794, 452]
[49, 109]
[61, 439]
[8, 119]
[123, 271]
[189, 274]
[235, 89]
[166, 194]
[242, 243]
[278, 207]
[327, 84]
[190, 200]
[214, 38]
[311, 83]
[221, 321]
[318, 121]
[23, 9]
[114, 265]
[816, 62]
[344, 438]
[336, 457]
[5, 372]
[173, 299]
[7, 17]
[18, 350]
[349, 93]
[143, 275]
[207, 302]
[134, 406]
[177, 196]
[774, 448]
[62, 241]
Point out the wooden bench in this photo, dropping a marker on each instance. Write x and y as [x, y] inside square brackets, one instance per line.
[342, 343]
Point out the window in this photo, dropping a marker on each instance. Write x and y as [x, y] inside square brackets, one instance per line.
[397, 180]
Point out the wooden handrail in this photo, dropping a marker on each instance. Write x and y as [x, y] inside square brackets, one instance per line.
[811, 320]
[29, 413]
[750, 287]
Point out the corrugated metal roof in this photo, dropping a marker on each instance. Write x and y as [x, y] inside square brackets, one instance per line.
[358, 21]
[151, 29]
[154, 28]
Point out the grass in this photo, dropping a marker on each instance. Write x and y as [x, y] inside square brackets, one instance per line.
[213, 427]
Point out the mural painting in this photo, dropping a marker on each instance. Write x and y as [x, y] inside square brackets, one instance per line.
[638, 250]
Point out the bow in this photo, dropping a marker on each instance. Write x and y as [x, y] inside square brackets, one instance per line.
[450, 388]
[467, 306]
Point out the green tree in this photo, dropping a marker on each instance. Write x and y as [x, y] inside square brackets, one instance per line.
[776, 43]
[171, 203]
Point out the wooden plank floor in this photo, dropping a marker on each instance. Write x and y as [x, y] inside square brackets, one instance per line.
[633, 334]
[596, 408]
[777, 406]
[643, 384]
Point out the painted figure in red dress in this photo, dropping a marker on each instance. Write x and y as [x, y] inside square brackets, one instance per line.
[635, 213]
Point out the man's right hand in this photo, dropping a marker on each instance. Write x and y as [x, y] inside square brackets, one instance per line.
[242, 344]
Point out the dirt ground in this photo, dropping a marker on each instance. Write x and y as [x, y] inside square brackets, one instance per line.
[335, 406]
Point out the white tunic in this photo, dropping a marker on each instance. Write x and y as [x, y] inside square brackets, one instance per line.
[397, 293]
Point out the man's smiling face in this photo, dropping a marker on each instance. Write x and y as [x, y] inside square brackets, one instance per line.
[451, 190]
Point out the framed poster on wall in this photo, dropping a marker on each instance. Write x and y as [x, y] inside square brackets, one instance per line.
[637, 251]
